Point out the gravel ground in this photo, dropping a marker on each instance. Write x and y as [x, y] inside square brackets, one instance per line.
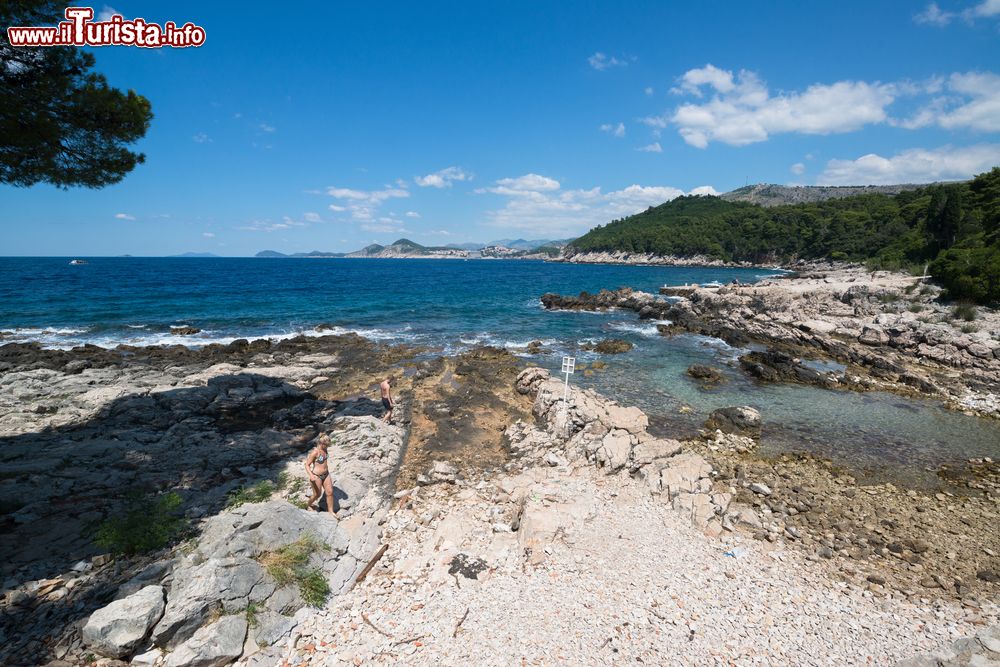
[628, 583]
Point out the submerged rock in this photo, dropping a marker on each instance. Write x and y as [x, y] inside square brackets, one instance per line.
[705, 373]
[742, 420]
[610, 346]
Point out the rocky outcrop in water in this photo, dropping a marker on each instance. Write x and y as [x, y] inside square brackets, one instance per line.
[874, 328]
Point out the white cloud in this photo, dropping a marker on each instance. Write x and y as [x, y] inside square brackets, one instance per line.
[917, 165]
[601, 61]
[124, 216]
[106, 13]
[704, 190]
[522, 186]
[798, 169]
[538, 205]
[412, 214]
[974, 103]
[648, 90]
[264, 127]
[363, 204]
[311, 217]
[933, 15]
[201, 138]
[742, 110]
[614, 130]
[985, 9]
[651, 148]
[208, 235]
[443, 178]
[268, 226]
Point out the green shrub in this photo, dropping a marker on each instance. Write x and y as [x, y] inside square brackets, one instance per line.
[290, 564]
[969, 328]
[964, 311]
[915, 308]
[149, 522]
[258, 493]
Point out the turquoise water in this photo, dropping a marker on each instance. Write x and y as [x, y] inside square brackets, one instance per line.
[452, 305]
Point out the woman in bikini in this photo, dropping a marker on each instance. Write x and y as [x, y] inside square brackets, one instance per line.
[318, 469]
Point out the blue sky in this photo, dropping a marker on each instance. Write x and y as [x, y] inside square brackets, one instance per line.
[336, 124]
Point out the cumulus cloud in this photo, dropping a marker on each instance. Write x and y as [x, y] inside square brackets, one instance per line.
[363, 204]
[741, 110]
[311, 217]
[798, 169]
[443, 178]
[124, 216]
[522, 186]
[264, 127]
[208, 235]
[412, 214]
[933, 15]
[648, 90]
[651, 148]
[972, 102]
[917, 165]
[538, 205]
[614, 130]
[601, 61]
[201, 138]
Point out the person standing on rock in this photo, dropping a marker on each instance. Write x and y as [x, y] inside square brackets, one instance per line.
[387, 401]
[318, 469]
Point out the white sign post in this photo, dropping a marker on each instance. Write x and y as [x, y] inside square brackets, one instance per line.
[568, 368]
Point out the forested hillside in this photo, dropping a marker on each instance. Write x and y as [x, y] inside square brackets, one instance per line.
[955, 227]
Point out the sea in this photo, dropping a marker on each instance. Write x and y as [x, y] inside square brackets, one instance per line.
[451, 305]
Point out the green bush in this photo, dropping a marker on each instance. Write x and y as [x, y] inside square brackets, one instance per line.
[964, 311]
[149, 522]
[290, 564]
[258, 493]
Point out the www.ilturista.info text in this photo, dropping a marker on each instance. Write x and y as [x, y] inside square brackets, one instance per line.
[80, 30]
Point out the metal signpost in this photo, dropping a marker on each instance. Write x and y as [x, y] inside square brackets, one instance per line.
[568, 368]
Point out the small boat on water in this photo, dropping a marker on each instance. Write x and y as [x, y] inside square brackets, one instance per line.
[75, 262]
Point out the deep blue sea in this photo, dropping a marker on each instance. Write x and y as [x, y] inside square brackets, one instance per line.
[453, 304]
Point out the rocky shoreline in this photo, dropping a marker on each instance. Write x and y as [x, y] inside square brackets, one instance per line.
[486, 476]
[647, 259]
[890, 332]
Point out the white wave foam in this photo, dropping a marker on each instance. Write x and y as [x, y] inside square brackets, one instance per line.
[645, 328]
[66, 338]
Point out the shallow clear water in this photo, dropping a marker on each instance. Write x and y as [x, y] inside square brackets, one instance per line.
[455, 304]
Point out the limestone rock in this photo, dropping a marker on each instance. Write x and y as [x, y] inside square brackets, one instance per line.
[213, 645]
[119, 628]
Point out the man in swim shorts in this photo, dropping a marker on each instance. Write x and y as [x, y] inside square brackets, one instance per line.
[387, 401]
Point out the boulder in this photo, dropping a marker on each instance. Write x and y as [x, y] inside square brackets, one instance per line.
[213, 645]
[873, 336]
[741, 420]
[610, 346]
[184, 331]
[121, 627]
[704, 373]
[530, 379]
[440, 472]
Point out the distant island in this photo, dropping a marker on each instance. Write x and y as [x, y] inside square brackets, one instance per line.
[405, 248]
